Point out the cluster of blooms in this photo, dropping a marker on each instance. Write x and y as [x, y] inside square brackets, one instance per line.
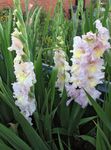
[63, 67]
[87, 65]
[60, 62]
[25, 76]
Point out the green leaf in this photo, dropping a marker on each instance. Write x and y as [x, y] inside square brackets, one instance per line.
[64, 110]
[75, 117]
[100, 112]
[100, 143]
[89, 139]
[32, 136]
[52, 86]
[4, 147]
[10, 137]
[103, 136]
[60, 143]
[39, 86]
[7, 57]
[61, 131]
[86, 120]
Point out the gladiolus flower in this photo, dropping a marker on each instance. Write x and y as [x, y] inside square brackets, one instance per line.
[87, 66]
[25, 76]
[17, 46]
[63, 67]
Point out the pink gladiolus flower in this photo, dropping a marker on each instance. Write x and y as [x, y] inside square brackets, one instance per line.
[103, 34]
[17, 46]
[87, 65]
[86, 71]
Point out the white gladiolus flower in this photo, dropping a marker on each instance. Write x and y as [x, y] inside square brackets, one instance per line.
[17, 46]
[63, 67]
[24, 73]
[24, 101]
[25, 76]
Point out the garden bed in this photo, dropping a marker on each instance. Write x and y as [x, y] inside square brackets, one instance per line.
[55, 77]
